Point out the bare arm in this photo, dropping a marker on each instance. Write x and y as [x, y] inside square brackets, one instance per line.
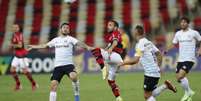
[30, 47]
[159, 58]
[131, 61]
[83, 45]
[199, 48]
[19, 45]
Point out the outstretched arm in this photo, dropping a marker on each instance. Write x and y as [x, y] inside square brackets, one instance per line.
[30, 47]
[83, 45]
[131, 61]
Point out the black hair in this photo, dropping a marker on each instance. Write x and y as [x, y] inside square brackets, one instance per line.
[65, 23]
[140, 29]
[116, 24]
[19, 25]
[185, 19]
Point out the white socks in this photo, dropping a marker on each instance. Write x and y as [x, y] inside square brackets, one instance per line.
[151, 98]
[53, 96]
[158, 90]
[76, 87]
[185, 85]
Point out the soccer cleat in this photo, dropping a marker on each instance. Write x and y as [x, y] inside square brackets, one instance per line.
[77, 98]
[104, 72]
[185, 97]
[18, 87]
[34, 87]
[119, 98]
[189, 99]
[191, 94]
[170, 86]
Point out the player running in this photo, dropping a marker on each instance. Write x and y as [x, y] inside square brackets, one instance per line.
[112, 55]
[186, 38]
[20, 61]
[151, 59]
[64, 45]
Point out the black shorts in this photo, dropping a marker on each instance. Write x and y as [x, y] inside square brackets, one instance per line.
[60, 71]
[124, 53]
[186, 66]
[150, 83]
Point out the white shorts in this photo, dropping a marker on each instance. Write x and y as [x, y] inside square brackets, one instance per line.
[20, 63]
[113, 60]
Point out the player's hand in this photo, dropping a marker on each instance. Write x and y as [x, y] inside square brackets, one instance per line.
[30, 47]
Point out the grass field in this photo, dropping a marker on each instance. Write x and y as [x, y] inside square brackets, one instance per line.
[93, 88]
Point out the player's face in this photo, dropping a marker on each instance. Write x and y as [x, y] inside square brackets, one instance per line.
[183, 24]
[16, 28]
[110, 26]
[65, 30]
[134, 34]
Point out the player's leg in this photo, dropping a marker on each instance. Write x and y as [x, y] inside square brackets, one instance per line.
[100, 56]
[14, 65]
[182, 69]
[72, 74]
[55, 79]
[112, 83]
[150, 84]
[24, 63]
[167, 85]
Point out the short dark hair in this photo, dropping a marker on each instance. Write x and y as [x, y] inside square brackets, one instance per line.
[140, 29]
[116, 24]
[65, 23]
[185, 19]
[19, 25]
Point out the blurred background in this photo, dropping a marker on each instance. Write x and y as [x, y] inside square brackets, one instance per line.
[40, 20]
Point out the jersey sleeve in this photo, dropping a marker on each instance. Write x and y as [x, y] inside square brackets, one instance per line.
[197, 36]
[74, 41]
[51, 43]
[139, 49]
[116, 35]
[175, 39]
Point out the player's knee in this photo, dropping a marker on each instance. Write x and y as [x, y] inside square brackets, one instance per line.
[53, 86]
[73, 76]
[12, 69]
[146, 96]
[179, 77]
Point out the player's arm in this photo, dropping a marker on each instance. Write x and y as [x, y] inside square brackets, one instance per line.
[131, 61]
[159, 58]
[41, 46]
[113, 45]
[83, 45]
[19, 45]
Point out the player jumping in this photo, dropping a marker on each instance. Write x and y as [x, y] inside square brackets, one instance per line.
[20, 61]
[186, 38]
[112, 55]
[64, 65]
[151, 59]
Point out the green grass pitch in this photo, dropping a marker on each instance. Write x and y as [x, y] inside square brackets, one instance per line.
[93, 88]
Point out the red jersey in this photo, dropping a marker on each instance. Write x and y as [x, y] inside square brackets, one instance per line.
[16, 39]
[115, 35]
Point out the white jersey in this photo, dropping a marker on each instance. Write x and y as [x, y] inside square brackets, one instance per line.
[63, 49]
[187, 44]
[146, 50]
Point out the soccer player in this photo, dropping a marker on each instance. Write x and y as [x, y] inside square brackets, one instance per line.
[186, 38]
[64, 45]
[151, 59]
[112, 55]
[20, 61]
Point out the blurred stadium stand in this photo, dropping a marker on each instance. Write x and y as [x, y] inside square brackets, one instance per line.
[40, 18]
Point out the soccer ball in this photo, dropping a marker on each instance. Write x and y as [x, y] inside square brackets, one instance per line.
[69, 1]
